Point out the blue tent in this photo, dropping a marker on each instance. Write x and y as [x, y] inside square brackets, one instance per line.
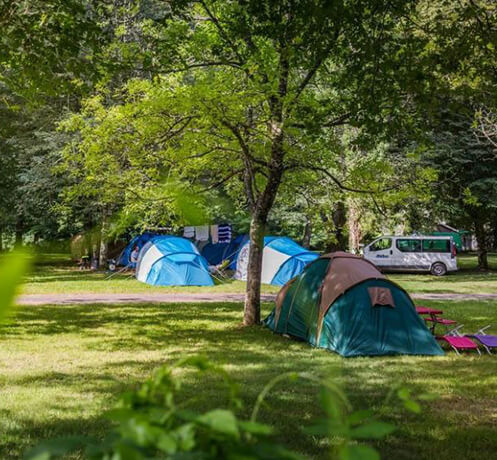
[140, 241]
[172, 261]
[282, 259]
[216, 253]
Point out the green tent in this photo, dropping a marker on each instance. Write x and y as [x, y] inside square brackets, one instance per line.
[456, 237]
[344, 303]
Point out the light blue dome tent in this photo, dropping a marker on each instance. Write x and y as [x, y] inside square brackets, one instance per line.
[282, 259]
[172, 261]
[124, 258]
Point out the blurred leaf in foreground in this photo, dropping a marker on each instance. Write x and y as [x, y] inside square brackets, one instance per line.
[13, 266]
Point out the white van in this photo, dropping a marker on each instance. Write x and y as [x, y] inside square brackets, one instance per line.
[434, 254]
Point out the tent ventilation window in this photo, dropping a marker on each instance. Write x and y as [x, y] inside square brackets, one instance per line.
[381, 297]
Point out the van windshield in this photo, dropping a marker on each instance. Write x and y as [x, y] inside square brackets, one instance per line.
[381, 244]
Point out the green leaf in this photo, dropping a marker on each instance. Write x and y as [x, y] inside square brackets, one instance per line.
[359, 416]
[222, 421]
[185, 436]
[125, 451]
[256, 428]
[327, 427]
[403, 394]
[372, 430]
[12, 268]
[56, 447]
[358, 452]
[167, 443]
[412, 406]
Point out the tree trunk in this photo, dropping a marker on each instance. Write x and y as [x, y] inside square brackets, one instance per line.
[306, 240]
[104, 243]
[262, 206]
[252, 309]
[481, 238]
[95, 249]
[339, 219]
[355, 231]
[494, 236]
[1, 241]
[19, 233]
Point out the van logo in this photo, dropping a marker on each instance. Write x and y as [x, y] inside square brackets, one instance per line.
[381, 256]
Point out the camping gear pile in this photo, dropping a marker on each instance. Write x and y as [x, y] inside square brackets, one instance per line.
[454, 338]
[343, 303]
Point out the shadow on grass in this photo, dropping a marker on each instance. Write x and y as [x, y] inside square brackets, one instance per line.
[253, 356]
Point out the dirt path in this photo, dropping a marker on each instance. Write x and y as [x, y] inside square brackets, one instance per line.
[85, 298]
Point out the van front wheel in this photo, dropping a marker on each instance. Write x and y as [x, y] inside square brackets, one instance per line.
[438, 269]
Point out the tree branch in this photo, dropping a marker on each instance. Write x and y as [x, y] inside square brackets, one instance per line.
[337, 181]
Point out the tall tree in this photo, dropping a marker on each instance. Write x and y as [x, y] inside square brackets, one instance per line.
[248, 92]
[467, 182]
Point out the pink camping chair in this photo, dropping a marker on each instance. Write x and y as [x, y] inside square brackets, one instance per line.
[459, 342]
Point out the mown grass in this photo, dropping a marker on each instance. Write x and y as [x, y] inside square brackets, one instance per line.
[467, 280]
[62, 366]
[56, 273]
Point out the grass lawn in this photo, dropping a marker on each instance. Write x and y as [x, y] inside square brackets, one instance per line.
[61, 366]
[468, 280]
[58, 274]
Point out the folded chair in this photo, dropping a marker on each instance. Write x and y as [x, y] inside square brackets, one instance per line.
[488, 341]
[459, 342]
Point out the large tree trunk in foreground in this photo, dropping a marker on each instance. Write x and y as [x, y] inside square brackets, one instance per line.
[252, 310]
[481, 238]
[261, 207]
[260, 213]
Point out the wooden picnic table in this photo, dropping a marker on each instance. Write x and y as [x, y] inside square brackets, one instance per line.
[433, 318]
[427, 311]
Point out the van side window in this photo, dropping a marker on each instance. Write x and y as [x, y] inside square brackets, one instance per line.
[406, 245]
[436, 245]
[381, 244]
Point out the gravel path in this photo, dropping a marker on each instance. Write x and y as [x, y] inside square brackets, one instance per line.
[85, 298]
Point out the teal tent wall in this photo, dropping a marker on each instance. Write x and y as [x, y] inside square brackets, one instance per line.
[352, 326]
